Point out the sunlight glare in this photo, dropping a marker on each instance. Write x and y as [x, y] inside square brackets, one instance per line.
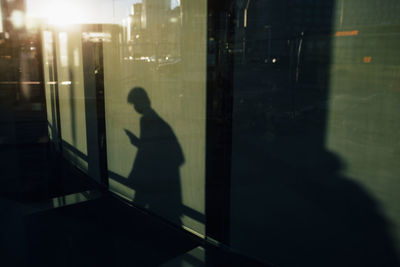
[18, 19]
[64, 13]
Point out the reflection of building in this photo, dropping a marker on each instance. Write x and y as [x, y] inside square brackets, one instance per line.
[136, 16]
[152, 31]
[155, 13]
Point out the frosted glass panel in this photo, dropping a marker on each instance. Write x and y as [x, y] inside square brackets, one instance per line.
[49, 82]
[71, 95]
[155, 97]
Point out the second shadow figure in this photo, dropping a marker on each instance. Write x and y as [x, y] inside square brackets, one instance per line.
[155, 174]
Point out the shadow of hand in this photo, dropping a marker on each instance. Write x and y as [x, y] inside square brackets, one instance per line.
[132, 137]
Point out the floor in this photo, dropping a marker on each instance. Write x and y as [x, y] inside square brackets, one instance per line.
[52, 215]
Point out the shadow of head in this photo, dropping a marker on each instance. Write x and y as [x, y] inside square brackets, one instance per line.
[139, 99]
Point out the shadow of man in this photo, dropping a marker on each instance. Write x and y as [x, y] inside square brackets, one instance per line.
[155, 174]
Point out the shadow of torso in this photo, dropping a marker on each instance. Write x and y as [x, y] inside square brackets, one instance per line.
[155, 174]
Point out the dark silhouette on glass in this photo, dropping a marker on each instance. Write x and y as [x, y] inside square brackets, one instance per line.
[155, 174]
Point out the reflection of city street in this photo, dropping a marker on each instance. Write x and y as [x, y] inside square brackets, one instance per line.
[151, 34]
